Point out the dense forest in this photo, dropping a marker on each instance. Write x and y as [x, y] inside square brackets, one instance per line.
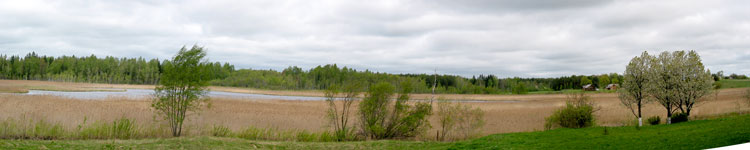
[141, 71]
[90, 69]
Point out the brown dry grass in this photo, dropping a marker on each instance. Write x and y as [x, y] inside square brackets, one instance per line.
[501, 116]
[12, 89]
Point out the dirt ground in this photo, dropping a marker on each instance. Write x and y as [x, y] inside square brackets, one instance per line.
[523, 113]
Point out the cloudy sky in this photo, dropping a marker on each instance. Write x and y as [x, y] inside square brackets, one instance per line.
[544, 38]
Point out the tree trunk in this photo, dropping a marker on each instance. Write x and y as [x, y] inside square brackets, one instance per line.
[640, 121]
[640, 115]
[669, 116]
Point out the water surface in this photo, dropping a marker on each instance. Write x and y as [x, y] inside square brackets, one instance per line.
[147, 93]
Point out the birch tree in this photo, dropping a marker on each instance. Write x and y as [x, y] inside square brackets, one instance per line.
[182, 87]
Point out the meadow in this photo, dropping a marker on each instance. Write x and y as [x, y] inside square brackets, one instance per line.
[503, 113]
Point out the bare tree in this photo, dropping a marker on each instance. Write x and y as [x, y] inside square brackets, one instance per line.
[339, 118]
[633, 94]
[458, 120]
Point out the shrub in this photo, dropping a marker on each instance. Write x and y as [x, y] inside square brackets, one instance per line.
[458, 120]
[380, 121]
[653, 120]
[338, 115]
[679, 117]
[577, 113]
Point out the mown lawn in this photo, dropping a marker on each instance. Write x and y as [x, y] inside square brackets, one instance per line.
[697, 134]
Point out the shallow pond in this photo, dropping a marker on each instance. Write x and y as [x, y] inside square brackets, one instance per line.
[146, 93]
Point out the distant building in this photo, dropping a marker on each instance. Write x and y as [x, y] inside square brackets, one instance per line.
[590, 87]
[612, 86]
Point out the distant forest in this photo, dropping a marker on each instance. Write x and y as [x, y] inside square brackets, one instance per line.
[110, 69]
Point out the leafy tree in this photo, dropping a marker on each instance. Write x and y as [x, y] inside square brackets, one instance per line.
[182, 87]
[663, 83]
[520, 88]
[633, 93]
[585, 81]
[679, 81]
[695, 81]
[604, 81]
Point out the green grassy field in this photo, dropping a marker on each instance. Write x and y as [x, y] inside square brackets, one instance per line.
[726, 83]
[699, 134]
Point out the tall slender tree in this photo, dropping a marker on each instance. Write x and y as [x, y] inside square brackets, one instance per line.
[182, 87]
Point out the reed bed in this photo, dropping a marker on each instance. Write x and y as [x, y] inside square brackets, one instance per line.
[235, 116]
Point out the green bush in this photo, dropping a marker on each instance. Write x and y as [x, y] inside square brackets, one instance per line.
[577, 113]
[382, 120]
[679, 117]
[653, 120]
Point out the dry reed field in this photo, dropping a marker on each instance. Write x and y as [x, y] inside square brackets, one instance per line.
[524, 113]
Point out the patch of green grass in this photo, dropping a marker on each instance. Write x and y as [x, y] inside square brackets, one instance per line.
[697, 134]
[734, 83]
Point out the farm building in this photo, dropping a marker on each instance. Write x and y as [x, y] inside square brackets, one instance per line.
[590, 87]
[612, 86]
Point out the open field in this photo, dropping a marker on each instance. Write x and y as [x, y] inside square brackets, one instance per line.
[728, 130]
[518, 113]
[726, 83]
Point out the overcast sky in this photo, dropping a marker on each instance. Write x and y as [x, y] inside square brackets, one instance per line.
[545, 38]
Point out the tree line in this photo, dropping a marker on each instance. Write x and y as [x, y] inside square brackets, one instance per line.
[142, 71]
[92, 69]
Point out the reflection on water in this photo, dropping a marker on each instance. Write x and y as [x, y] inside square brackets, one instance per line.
[144, 93]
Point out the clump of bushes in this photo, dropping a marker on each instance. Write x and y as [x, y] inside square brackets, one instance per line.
[679, 117]
[653, 120]
[380, 119]
[577, 113]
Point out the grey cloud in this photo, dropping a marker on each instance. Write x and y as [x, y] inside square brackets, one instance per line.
[507, 38]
